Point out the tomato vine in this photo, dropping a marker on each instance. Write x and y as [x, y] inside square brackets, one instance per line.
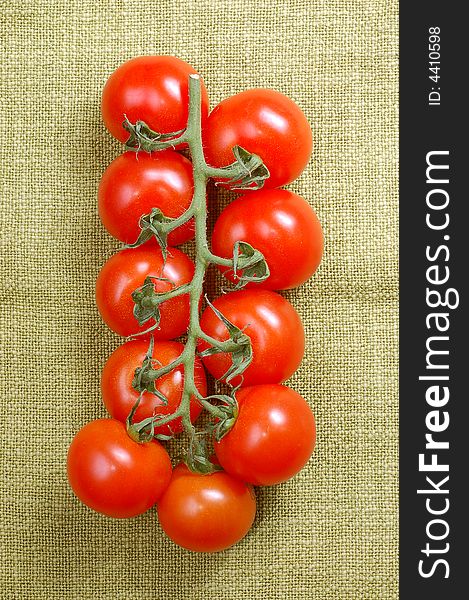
[246, 172]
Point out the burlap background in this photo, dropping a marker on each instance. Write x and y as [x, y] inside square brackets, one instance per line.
[331, 533]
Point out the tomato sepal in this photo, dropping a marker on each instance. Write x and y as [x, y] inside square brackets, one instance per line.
[144, 431]
[248, 172]
[225, 414]
[251, 263]
[147, 301]
[197, 458]
[155, 223]
[241, 349]
[143, 138]
[139, 432]
[145, 376]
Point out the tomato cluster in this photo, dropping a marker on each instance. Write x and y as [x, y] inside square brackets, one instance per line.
[262, 432]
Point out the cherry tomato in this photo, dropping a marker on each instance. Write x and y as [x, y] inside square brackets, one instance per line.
[114, 475]
[279, 224]
[274, 326]
[132, 185]
[272, 438]
[266, 123]
[153, 89]
[206, 513]
[119, 396]
[125, 271]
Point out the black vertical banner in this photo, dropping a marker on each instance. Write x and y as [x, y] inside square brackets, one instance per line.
[434, 330]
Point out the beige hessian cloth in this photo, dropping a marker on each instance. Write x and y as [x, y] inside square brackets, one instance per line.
[329, 534]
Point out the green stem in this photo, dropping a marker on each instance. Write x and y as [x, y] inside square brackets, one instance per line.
[222, 172]
[181, 220]
[155, 374]
[194, 138]
[226, 411]
[226, 346]
[217, 260]
[174, 293]
[204, 257]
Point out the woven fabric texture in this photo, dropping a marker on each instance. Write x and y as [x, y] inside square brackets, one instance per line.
[331, 532]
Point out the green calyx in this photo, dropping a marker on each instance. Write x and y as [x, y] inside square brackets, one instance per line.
[249, 265]
[143, 138]
[153, 224]
[198, 455]
[248, 172]
[147, 301]
[239, 345]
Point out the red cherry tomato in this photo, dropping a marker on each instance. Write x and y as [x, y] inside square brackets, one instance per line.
[274, 326]
[206, 513]
[114, 475]
[153, 89]
[119, 396]
[279, 224]
[125, 271]
[272, 438]
[132, 185]
[266, 123]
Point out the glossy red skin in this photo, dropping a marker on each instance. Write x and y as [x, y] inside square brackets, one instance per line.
[119, 396]
[282, 226]
[273, 436]
[132, 185]
[276, 332]
[114, 475]
[266, 123]
[206, 513]
[153, 89]
[125, 271]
